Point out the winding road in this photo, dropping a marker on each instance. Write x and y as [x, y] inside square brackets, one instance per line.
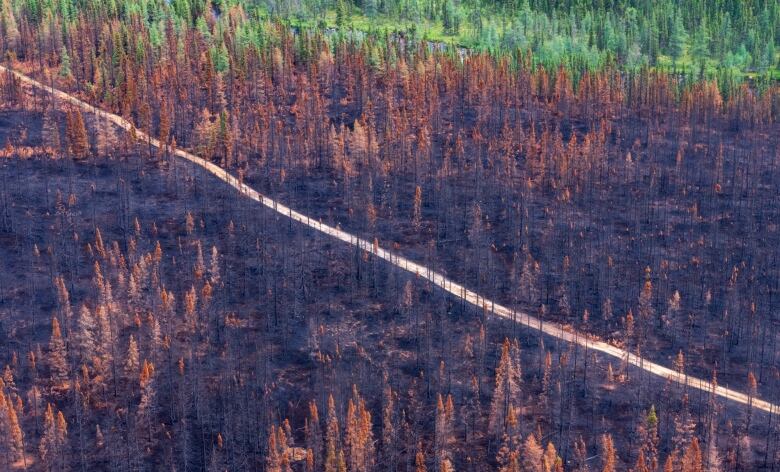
[552, 329]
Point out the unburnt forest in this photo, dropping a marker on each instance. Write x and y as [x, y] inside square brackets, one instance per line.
[152, 318]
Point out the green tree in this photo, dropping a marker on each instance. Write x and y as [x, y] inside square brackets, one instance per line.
[342, 14]
[65, 70]
[677, 40]
[370, 8]
[450, 18]
[700, 46]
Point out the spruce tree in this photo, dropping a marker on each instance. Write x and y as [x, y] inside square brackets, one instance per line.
[58, 356]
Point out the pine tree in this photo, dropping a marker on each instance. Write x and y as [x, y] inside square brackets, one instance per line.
[417, 209]
[608, 454]
[11, 435]
[684, 428]
[646, 311]
[85, 338]
[528, 284]
[48, 446]
[678, 39]
[165, 123]
[206, 135]
[342, 463]
[606, 309]
[419, 460]
[214, 266]
[273, 457]
[507, 390]
[9, 25]
[673, 310]
[669, 464]
[651, 440]
[224, 141]
[146, 407]
[641, 463]
[105, 335]
[713, 462]
[444, 432]
[342, 13]
[551, 460]
[358, 437]
[54, 438]
[314, 435]
[65, 70]
[389, 434]
[58, 363]
[532, 455]
[692, 460]
[76, 134]
[132, 358]
[190, 306]
[331, 437]
[581, 455]
[700, 48]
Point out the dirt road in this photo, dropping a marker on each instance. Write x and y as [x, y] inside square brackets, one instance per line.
[549, 328]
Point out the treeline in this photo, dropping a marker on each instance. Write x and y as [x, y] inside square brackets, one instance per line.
[720, 40]
[702, 36]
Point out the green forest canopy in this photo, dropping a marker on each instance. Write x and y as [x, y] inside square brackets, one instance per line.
[699, 38]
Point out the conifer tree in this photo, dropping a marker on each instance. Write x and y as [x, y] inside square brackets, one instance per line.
[105, 335]
[528, 283]
[65, 69]
[273, 457]
[389, 433]
[417, 209]
[358, 437]
[551, 460]
[58, 363]
[332, 447]
[419, 460]
[678, 40]
[713, 460]
[214, 266]
[608, 454]
[48, 446]
[507, 390]
[146, 407]
[11, 435]
[132, 358]
[85, 338]
[314, 435]
[9, 25]
[646, 311]
[641, 463]
[444, 433]
[692, 460]
[165, 123]
[51, 448]
[532, 455]
[651, 439]
[76, 134]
